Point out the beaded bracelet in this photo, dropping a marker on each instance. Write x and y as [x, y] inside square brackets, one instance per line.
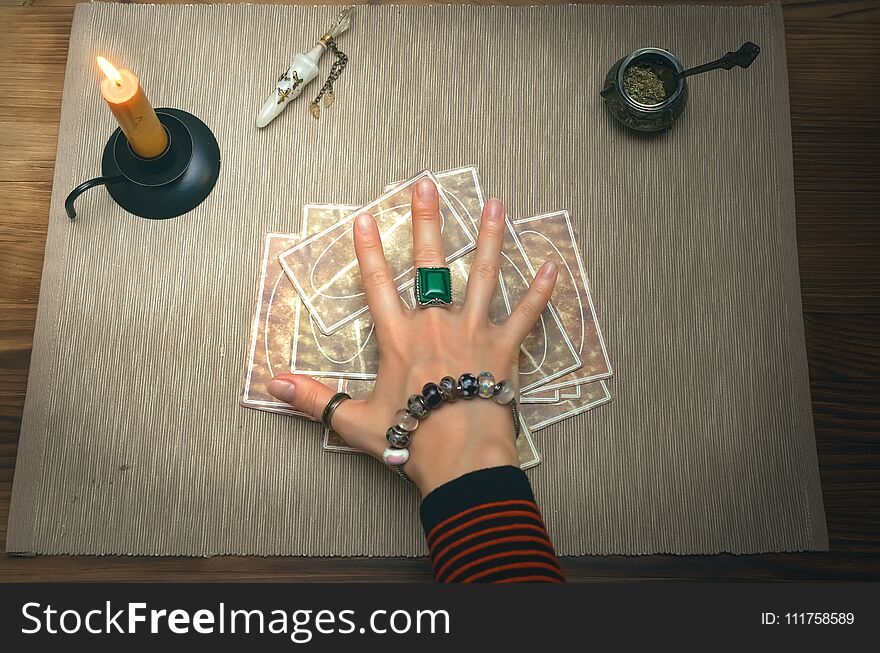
[419, 406]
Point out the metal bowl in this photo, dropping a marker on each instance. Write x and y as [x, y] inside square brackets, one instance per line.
[635, 114]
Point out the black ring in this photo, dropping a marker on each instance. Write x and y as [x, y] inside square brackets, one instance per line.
[331, 407]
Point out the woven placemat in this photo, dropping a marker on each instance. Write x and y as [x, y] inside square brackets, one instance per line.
[133, 441]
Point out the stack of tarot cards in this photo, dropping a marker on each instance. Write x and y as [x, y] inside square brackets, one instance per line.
[311, 316]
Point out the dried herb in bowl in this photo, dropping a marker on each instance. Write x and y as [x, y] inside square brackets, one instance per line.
[644, 84]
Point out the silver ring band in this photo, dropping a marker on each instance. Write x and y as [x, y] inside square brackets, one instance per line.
[331, 407]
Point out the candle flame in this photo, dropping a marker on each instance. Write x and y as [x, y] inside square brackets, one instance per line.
[109, 70]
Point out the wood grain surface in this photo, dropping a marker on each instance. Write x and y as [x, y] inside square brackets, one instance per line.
[833, 56]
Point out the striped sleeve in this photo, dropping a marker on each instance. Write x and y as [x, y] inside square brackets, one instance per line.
[484, 527]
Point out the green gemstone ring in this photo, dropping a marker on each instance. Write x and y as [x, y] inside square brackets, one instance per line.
[433, 287]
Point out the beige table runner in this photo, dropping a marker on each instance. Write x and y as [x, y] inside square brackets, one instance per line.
[133, 440]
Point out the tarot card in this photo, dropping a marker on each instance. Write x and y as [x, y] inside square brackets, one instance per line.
[539, 416]
[269, 346]
[323, 268]
[358, 389]
[552, 236]
[351, 351]
[462, 187]
[547, 353]
[319, 217]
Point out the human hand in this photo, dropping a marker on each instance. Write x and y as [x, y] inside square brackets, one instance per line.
[426, 344]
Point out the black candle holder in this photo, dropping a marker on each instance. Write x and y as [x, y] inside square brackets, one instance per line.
[169, 185]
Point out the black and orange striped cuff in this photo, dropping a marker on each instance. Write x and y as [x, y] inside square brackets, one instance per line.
[485, 527]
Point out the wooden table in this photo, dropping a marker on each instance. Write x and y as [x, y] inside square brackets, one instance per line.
[834, 70]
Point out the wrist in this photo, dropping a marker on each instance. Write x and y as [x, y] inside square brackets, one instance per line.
[459, 438]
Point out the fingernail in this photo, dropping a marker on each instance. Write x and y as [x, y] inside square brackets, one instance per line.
[425, 189]
[282, 389]
[495, 209]
[547, 270]
[364, 223]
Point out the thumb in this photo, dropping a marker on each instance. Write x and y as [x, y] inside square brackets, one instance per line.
[305, 394]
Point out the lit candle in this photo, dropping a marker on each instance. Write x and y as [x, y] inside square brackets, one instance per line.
[137, 119]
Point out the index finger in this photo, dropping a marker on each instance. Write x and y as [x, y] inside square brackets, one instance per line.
[524, 317]
[382, 296]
